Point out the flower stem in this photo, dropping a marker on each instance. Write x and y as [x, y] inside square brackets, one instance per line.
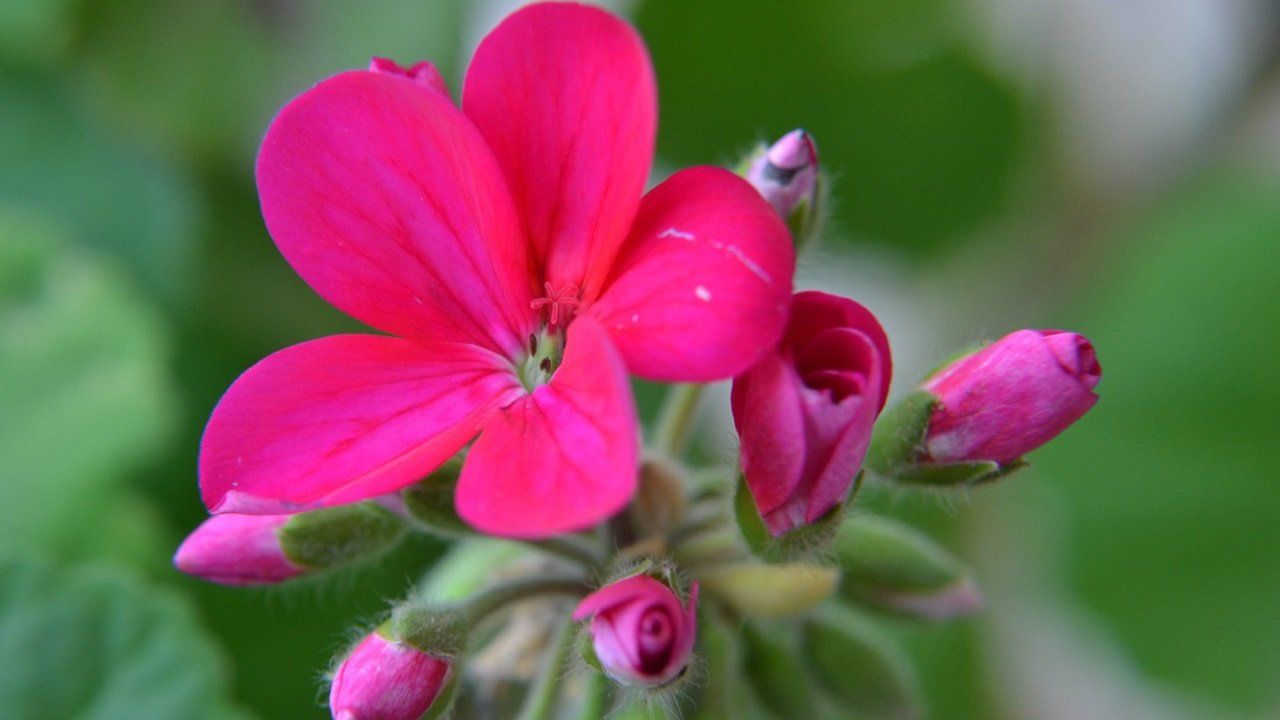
[539, 704]
[487, 602]
[570, 547]
[675, 421]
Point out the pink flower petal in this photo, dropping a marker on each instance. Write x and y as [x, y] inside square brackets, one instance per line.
[345, 418]
[702, 286]
[562, 458]
[385, 199]
[768, 412]
[565, 96]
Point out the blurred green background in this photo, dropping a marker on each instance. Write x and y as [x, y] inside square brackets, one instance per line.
[1108, 166]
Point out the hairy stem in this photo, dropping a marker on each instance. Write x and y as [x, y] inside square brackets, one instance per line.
[489, 601]
[540, 703]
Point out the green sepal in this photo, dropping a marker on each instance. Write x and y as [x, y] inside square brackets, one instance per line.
[855, 662]
[587, 650]
[442, 706]
[774, 669]
[801, 543]
[898, 436]
[892, 566]
[955, 474]
[435, 629]
[431, 504]
[339, 536]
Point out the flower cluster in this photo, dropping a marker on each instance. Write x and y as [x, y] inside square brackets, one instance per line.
[520, 276]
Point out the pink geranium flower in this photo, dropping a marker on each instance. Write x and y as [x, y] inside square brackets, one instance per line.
[507, 249]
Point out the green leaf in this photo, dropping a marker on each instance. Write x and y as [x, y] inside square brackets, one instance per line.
[109, 194]
[94, 646]
[86, 391]
[899, 433]
[857, 663]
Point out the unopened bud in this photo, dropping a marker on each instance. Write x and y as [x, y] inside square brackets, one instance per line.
[237, 550]
[764, 590]
[421, 72]
[786, 174]
[895, 567]
[1011, 397]
[641, 633]
[859, 665]
[387, 680]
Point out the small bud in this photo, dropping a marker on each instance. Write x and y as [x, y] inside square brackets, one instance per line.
[859, 665]
[895, 567]
[422, 72]
[265, 549]
[385, 680]
[1010, 398]
[786, 174]
[805, 412]
[237, 550]
[765, 590]
[640, 633]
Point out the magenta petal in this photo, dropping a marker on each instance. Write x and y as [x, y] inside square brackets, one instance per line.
[385, 199]
[345, 418]
[564, 94]
[562, 458]
[237, 550]
[702, 287]
[768, 412]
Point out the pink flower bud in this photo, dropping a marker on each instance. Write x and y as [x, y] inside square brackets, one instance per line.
[640, 632]
[422, 72]
[787, 172]
[385, 680]
[804, 413]
[1011, 397]
[237, 550]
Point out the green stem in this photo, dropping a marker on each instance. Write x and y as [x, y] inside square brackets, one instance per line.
[570, 547]
[540, 703]
[487, 602]
[675, 421]
[595, 696]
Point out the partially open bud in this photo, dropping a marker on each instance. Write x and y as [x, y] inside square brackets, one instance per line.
[237, 550]
[385, 680]
[421, 72]
[1010, 398]
[641, 634]
[786, 174]
[805, 412]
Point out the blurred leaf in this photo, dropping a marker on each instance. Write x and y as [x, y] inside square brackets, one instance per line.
[34, 31]
[108, 194]
[1170, 481]
[86, 392]
[921, 137]
[94, 646]
[194, 75]
[859, 664]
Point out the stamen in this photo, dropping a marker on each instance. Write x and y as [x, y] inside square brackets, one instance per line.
[533, 344]
[563, 302]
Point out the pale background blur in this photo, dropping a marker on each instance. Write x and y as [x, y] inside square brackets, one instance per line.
[1108, 166]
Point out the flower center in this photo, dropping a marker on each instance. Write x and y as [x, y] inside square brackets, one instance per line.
[561, 302]
[546, 350]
